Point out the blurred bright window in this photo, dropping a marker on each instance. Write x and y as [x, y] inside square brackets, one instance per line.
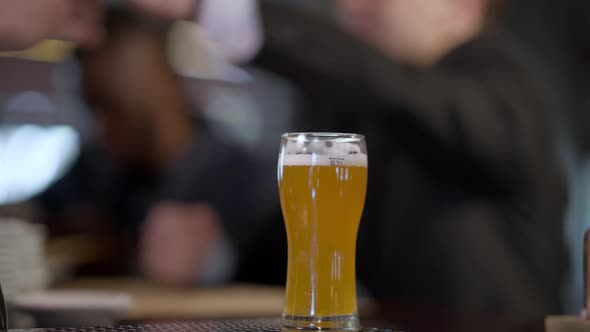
[32, 157]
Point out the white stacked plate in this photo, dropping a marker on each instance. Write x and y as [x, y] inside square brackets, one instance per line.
[74, 308]
[22, 257]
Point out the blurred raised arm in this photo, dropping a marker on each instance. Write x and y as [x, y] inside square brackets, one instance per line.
[23, 23]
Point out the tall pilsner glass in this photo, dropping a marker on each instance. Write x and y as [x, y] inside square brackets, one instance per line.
[322, 184]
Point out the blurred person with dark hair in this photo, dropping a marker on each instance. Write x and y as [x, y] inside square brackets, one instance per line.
[189, 198]
[466, 197]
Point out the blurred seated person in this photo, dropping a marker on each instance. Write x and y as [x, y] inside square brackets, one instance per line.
[159, 176]
[466, 197]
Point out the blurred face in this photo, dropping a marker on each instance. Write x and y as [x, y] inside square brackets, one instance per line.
[123, 83]
[413, 30]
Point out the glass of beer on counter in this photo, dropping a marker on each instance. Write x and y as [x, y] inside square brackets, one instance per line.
[322, 184]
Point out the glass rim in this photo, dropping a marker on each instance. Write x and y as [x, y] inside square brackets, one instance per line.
[324, 135]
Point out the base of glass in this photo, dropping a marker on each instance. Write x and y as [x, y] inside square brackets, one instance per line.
[323, 323]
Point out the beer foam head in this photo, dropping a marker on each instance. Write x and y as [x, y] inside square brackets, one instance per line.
[355, 160]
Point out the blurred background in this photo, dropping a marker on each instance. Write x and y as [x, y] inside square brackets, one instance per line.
[142, 165]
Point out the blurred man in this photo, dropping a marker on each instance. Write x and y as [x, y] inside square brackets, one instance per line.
[466, 198]
[147, 129]
[189, 198]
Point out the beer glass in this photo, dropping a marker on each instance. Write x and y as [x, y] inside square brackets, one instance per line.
[322, 184]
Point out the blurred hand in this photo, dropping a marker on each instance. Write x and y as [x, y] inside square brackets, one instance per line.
[176, 240]
[167, 8]
[23, 23]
